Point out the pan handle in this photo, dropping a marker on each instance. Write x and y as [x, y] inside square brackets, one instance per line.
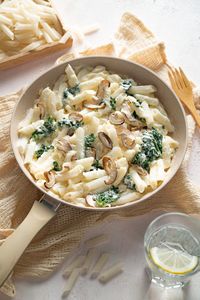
[16, 243]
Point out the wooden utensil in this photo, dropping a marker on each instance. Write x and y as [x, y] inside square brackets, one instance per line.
[183, 88]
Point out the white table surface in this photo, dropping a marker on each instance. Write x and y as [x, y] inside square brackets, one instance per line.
[177, 23]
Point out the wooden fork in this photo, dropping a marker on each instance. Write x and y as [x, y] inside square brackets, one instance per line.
[183, 89]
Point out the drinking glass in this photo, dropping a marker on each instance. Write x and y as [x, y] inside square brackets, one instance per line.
[172, 249]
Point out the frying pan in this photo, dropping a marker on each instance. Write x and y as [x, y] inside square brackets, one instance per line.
[45, 209]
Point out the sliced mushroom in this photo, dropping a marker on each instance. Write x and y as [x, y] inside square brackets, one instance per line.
[127, 141]
[74, 157]
[68, 108]
[127, 113]
[105, 139]
[63, 145]
[90, 201]
[50, 179]
[110, 168]
[90, 152]
[116, 118]
[75, 116]
[94, 106]
[101, 150]
[128, 116]
[102, 88]
[136, 127]
[70, 131]
[140, 170]
[122, 129]
[95, 99]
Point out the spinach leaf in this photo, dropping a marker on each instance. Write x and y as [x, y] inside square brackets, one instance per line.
[43, 148]
[69, 123]
[141, 159]
[134, 114]
[73, 91]
[128, 181]
[112, 103]
[97, 164]
[126, 84]
[107, 197]
[89, 140]
[56, 166]
[151, 149]
[137, 102]
[48, 127]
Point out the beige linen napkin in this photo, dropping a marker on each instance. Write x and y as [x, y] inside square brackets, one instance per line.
[134, 42]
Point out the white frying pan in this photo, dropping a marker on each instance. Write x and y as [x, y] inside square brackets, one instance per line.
[45, 209]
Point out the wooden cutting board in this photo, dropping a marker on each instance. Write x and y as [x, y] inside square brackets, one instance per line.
[43, 50]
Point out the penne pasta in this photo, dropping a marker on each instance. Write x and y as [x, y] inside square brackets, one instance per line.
[157, 173]
[51, 31]
[71, 196]
[90, 84]
[150, 100]
[139, 183]
[162, 119]
[30, 24]
[120, 174]
[84, 96]
[96, 241]
[7, 31]
[85, 162]
[76, 171]
[76, 263]
[102, 260]
[65, 37]
[110, 273]
[29, 129]
[22, 144]
[97, 184]
[92, 253]
[47, 36]
[126, 198]
[29, 152]
[91, 29]
[80, 144]
[105, 139]
[144, 90]
[71, 282]
[27, 120]
[5, 20]
[71, 75]
[94, 174]
[32, 46]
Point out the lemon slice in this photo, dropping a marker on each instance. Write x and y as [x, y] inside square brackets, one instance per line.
[173, 261]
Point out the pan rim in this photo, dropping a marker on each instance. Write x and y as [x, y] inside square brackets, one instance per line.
[57, 199]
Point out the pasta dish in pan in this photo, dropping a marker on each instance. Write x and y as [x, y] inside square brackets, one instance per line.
[97, 138]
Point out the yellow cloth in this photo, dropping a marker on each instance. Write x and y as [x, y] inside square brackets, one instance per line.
[134, 42]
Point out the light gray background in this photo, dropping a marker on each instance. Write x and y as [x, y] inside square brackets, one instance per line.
[177, 23]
